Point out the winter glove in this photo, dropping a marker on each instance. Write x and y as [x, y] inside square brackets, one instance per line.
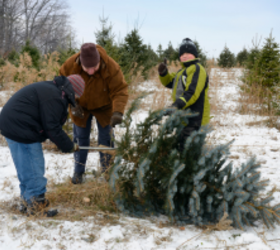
[116, 118]
[162, 67]
[77, 111]
[178, 104]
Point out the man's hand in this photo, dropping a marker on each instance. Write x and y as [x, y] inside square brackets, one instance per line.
[116, 118]
[162, 67]
[77, 111]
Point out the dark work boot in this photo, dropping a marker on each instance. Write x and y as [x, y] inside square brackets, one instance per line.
[22, 207]
[40, 200]
[77, 178]
[38, 205]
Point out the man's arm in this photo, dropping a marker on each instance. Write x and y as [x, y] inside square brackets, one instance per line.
[118, 91]
[167, 80]
[51, 114]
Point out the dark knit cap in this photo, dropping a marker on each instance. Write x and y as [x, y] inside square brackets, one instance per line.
[78, 84]
[188, 46]
[89, 55]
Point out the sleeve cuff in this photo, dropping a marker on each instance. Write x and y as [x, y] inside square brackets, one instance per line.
[164, 73]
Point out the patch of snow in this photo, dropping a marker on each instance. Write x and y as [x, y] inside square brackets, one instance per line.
[18, 232]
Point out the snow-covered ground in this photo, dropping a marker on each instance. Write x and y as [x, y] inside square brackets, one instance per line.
[19, 232]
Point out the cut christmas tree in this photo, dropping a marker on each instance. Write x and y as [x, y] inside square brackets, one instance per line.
[199, 185]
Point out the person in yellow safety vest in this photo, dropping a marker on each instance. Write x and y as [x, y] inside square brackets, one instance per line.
[189, 88]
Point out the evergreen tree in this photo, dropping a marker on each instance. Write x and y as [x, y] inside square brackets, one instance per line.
[106, 39]
[263, 69]
[13, 57]
[198, 185]
[105, 34]
[176, 56]
[64, 54]
[269, 63]
[201, 55]
[153, 58]
[33, 52]
[226, 58]
[242, 57]
[160, 52]
[169, 52]
[135, 53]
[253, 57]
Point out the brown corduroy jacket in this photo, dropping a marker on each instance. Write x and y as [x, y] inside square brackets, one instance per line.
[105, 92]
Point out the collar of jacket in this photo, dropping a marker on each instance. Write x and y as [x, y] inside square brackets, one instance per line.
[190, 62]
[65, 86]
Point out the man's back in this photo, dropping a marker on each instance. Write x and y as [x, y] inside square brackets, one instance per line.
[21, 118]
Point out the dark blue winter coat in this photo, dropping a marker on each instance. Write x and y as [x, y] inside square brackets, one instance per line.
[37, 112]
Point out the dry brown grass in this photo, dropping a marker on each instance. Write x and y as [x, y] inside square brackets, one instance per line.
[75, 202]
[210, 65]
[14, 78]
[161, 96]
[256, 100]
[216, 105]
[78, 201]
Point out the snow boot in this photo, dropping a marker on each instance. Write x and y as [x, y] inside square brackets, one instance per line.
[22, 207]
[37, 207]
[77, 178]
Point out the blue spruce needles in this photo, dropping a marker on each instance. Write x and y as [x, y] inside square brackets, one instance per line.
[198, 185]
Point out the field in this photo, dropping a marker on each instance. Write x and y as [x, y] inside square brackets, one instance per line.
[96, 224]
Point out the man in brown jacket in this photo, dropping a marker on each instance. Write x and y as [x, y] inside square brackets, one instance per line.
[104, 97]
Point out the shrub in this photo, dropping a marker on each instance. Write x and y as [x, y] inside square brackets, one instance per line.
[33, 52]
[226, 58]
[242, 57]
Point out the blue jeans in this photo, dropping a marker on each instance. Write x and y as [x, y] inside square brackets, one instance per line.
[30, 165]
[82, 138]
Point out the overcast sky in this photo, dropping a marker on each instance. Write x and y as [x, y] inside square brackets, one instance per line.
[213, 23]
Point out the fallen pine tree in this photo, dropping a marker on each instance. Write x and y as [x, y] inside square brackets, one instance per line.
[199, 185]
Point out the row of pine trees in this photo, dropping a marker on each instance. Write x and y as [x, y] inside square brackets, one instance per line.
[248, 57]
[136, 57]
[132, 54]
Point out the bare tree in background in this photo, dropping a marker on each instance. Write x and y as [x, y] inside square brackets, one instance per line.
[45, 23]
[55, 34]
[10, 25]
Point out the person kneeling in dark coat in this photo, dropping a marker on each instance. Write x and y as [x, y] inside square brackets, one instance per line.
[33, 114]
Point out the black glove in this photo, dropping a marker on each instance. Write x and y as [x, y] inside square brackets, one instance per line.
[116, 118]
[162, 67]
[179, 103]
[77, 111]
